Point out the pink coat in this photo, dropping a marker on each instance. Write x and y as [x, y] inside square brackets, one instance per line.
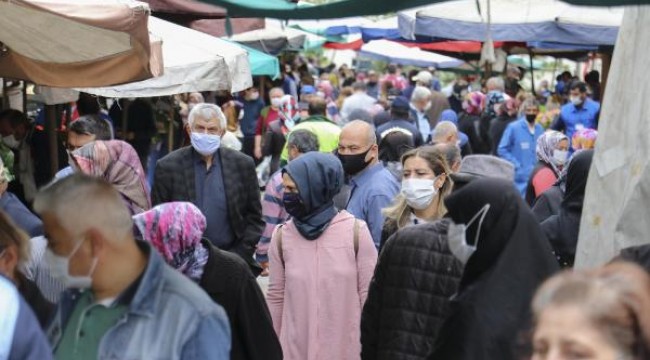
[317, 296]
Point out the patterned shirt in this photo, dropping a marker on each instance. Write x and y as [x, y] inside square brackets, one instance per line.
[273, 214]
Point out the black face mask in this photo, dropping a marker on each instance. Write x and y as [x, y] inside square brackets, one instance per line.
[354, 164]
[372, 83]
[531, 118]
[294, 205]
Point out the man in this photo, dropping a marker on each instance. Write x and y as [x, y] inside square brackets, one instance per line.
[289, 85]
[298, 142]
[452, 155]
[267, 116]
[325, 130]
[252, 105]
[372, 187]
[219, 181]
[17, 132]
[358, 100]
[399, 113]
[85, 129]
[395, 78]
[519, 143]
[445, 133]
[457, 96]
[420, 105]
[438, 101]
[131, 305]
[372, 84]
[579, 113]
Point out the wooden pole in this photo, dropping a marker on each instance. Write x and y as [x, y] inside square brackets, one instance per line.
[532, 72]
[606, 59]
[25, 97]
[50, 131]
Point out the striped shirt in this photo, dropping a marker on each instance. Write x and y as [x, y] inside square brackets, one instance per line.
[273, 214]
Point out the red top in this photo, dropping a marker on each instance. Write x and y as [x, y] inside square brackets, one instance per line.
[263, 122]
[543, 180]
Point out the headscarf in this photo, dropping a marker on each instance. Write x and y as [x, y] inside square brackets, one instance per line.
[546, 145]
[449, 115]
[175, 230]
[491, 102]
[584, 139]
[318, 177]
[473, 102]
[576, 180]
[510, 105]
[116, 162]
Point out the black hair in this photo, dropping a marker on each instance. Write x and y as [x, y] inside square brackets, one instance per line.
[91, 125]
[579, 85]
[87, 104]
[317, 106]
[15, 117]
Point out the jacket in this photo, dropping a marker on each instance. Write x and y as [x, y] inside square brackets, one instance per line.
[227, 280]
[326, 131]
[548, 204]
[273, 143]
[407, 126]
[169, 317]
[518, 146]
[174, 181]
[408, 298]
[317, 289]
[20, 214]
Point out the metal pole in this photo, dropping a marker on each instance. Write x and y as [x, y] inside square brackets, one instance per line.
[532, 72]
[50, 130]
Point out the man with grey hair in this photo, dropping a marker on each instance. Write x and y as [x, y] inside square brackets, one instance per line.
[372, 187]
[445, 133]
[358, 100]
[299, 142]
[221, 182]
[519, 143]
[132, 305]
[420, 105]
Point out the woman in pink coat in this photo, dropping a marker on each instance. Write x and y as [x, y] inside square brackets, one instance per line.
[321, 263]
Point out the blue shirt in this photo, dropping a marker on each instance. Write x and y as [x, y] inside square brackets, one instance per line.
[252, 111]
[21, 215]
[211, 199]
[518, 145]
[371, 191]
[573, 118]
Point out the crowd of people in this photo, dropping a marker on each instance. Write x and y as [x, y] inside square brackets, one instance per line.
[394, 222]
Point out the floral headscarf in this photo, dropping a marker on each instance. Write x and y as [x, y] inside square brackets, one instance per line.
[546, 145]
[175, 230]
[584, 139]
[473, 102]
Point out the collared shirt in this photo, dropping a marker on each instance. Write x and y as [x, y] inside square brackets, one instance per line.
[574, 118]
[518, 145]
[273, 214]
[372, 190]
[211, 199]
[422, 123]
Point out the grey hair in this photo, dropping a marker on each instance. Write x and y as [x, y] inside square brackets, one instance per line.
[207, 111]
[420, 93]
[80, 202]
[442, 131]
[529, 102]
[303, 140]
[276, 90]
[496, 83]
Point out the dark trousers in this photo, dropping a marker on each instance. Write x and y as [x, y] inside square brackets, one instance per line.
[248, 147]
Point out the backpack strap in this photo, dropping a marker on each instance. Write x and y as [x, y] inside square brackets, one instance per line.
[279, 244]
[356, 238]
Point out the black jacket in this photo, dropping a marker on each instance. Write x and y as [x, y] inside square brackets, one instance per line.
[409, 294]
[637, 254]
[174, 181]
[228, 282]
[42, 308]
[548, 204]
[498, 126]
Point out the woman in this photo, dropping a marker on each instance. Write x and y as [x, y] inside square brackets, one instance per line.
[469, 120]
[425, 183]
[175, 230]
[14, 254]
[601, 314]
[321, 262]
[391, 148]
[506, 257]
[552, 153]
[116, 162]
[506, 113]
[562, 230]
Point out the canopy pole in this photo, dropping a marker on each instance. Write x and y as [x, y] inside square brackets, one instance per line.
[24, 93]
[606, 60]
[50, 131]
[5, 99]
[532, 71]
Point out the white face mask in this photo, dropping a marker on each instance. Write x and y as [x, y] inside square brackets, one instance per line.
[427, 107]
[276, 102]
[576, 100]
[60, 269]
[11, 141]
[419, 192]
[560, 157]
[457, 233]
[253, 96]
[205, 144]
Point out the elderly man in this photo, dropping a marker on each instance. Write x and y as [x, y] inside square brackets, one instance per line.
[420, 105]
[132, 305]
[298, 142]
[220, 181]
[445, 133]
[372, 187]
[359, 100]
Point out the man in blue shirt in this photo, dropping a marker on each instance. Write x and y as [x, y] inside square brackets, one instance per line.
[253, 105]
[579, 113]
[372, 187]
[399, 113]
[519, 142]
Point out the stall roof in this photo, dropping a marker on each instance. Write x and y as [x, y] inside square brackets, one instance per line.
[389, 51]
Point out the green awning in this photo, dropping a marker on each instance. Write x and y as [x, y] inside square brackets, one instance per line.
[283, 9]
[261, 64]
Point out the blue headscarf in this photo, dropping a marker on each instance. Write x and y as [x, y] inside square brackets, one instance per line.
[318, 177]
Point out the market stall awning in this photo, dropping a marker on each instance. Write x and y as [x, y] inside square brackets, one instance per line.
[194, 62]
[70, 43]
[262, 64]
[519, 21]
[271, 40]
[392, 52]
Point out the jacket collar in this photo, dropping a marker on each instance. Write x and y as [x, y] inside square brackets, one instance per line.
[147, 296]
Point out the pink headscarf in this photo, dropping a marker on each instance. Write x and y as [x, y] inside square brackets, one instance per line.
[473, 103]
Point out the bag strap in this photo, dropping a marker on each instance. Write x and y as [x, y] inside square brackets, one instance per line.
[356, 238]
[279, 244]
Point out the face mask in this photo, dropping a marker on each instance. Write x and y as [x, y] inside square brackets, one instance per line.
[426, 107]
[253, 96]
[276, 102]
[576, 100]
[372, 83]
[353, 164]
[11, 141]
[457, 233]
[531, 118]
[560, 156]
[59, 269]
[294, 205]
[419, 192]
[205, 144]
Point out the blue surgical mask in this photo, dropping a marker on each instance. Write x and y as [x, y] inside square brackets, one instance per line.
[205, 144]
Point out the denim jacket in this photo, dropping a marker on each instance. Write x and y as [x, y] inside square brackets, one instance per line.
[169, 317]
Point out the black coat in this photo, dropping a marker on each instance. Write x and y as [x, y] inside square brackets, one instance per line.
[228, 282]
[174, 181]
[42, 308]
[408, 298]
[497, 127]
[548, 204]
